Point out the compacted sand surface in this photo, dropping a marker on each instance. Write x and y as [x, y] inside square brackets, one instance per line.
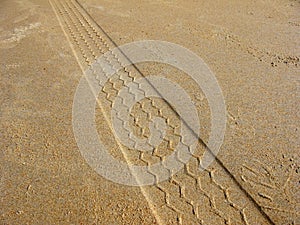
[252, 48]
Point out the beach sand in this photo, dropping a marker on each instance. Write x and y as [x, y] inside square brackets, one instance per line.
[252, 48]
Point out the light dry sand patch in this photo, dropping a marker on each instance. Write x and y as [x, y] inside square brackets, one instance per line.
[19, 33]
[13, 30]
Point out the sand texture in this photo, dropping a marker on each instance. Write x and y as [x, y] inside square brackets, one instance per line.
[252, 48]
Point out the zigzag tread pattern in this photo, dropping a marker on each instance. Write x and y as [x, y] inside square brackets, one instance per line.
[188, 197]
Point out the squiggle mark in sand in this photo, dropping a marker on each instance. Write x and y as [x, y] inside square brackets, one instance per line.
[98, 7]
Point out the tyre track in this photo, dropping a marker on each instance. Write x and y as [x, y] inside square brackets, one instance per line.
[189, 197]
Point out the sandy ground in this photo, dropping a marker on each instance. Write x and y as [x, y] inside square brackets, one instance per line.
[251, 46]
